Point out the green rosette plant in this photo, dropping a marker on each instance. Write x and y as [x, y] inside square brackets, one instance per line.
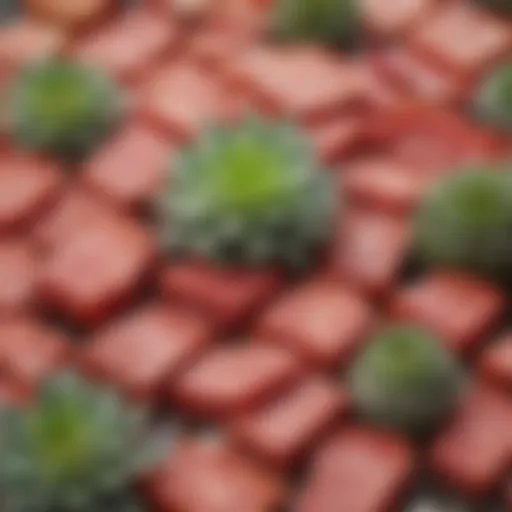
[465, 222]
[493, 98]
[77, 448]
[405, 380]
[249, 194]
[63, 107]
[334, 22]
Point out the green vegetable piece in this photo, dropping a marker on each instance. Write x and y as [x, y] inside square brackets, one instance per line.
[77, 448]
[334, 22]
[405, 380]
[62, 107]
[493, 100]
[497, 6]
[465, 222]
[252, 194]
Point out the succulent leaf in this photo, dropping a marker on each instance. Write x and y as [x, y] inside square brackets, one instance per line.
[76, 448]
[62, 107]
[334, 22]
[493, 101]
[465, 222]
[405, 380]
[249, 194]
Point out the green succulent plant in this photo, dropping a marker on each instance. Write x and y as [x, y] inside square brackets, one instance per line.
[77, 448]
[493, 99]
[249, 194]
[465, 222]
[62, 107]
[336, 22]
[498, 6]
[405, 380]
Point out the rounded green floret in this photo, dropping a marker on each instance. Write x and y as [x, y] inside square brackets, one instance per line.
[249, 194]
[62, 107]
[405, 380]
[498, 6]
[465, 222]
[77, 448]
[493, 101]
[335, 22]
